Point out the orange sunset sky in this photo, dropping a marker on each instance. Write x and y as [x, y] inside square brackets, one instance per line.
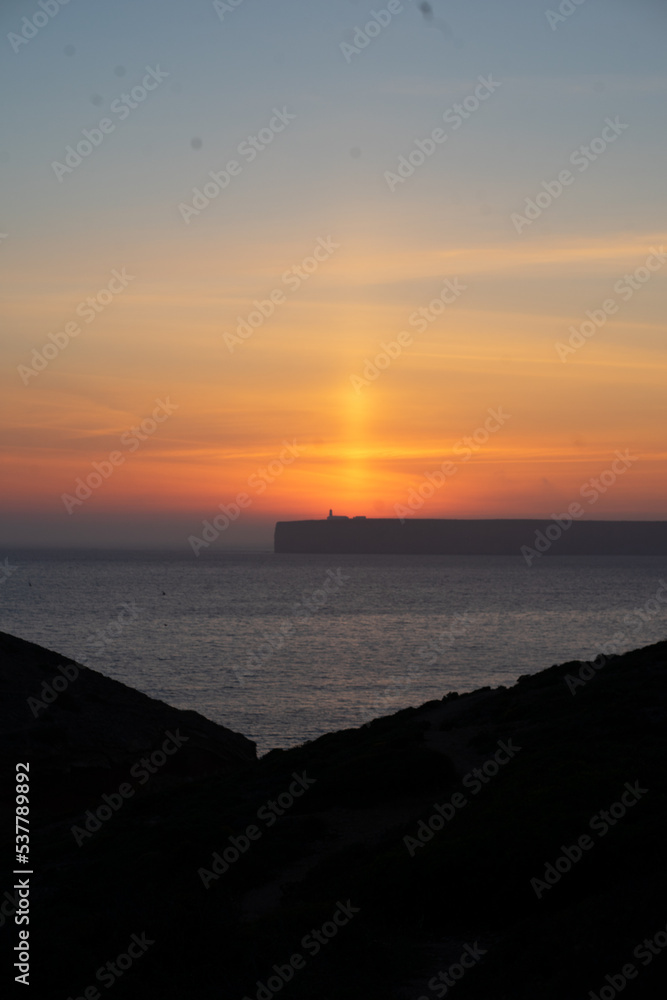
[327, 178]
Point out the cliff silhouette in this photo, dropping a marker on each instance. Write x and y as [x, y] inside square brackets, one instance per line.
[504, 843]
[561, 535]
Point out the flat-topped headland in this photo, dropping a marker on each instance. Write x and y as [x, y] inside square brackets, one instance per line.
[561, 535]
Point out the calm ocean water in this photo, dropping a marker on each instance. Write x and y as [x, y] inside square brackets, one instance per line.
[284, 648]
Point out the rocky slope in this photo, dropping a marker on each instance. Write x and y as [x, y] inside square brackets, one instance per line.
[504, 843]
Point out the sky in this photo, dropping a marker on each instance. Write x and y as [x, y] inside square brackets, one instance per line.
[217, 217]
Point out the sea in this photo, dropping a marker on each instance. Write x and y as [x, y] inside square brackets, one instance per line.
[284, 648]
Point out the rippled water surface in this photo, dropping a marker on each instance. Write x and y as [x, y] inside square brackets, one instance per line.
[284, 648]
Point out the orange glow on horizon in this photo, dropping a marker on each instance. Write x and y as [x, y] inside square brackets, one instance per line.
[361, 448]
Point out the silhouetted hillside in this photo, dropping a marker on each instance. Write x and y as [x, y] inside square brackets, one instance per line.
[362, 864]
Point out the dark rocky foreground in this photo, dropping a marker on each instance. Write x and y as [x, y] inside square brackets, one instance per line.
[361, 865]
